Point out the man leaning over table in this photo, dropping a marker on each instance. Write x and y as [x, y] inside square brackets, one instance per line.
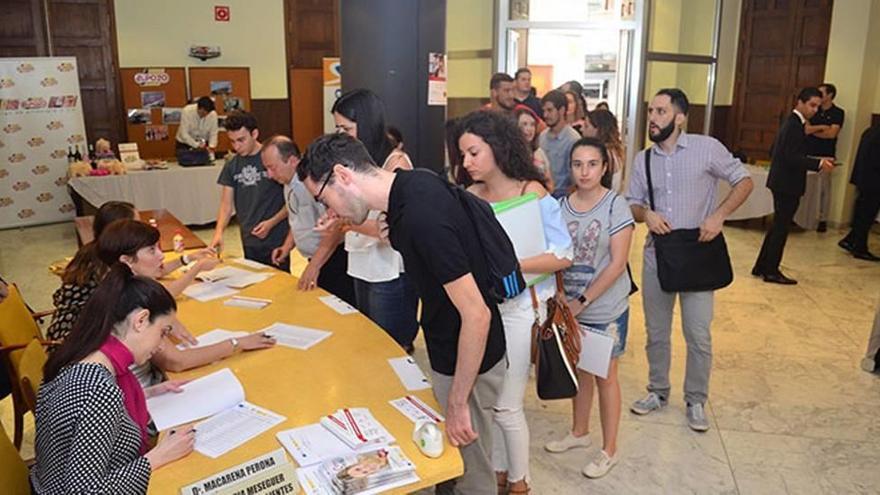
[258, 200]
[428, 226]
[198, 126]
[328, 261]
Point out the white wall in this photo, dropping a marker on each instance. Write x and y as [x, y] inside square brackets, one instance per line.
[160, 32]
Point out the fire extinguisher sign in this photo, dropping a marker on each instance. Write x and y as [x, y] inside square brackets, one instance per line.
[221, 13]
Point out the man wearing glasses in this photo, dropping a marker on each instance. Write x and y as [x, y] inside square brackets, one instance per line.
[328, 261]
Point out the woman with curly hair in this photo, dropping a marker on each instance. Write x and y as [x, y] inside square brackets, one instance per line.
[602, 125]
[498, 160]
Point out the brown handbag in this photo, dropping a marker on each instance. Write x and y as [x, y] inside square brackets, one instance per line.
[556, 346]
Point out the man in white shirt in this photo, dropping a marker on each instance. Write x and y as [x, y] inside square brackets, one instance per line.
[198, 126]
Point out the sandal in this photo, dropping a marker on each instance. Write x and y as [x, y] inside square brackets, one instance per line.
[524, 488]
[501, 478]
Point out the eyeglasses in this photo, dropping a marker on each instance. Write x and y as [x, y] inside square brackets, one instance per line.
[323, 186]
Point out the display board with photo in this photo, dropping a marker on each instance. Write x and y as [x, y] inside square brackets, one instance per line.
[171, 115]
[139, 116]
[221, 87]
[152, 99]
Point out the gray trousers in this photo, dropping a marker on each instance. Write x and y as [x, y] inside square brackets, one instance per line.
[479, 475]
[696, 318]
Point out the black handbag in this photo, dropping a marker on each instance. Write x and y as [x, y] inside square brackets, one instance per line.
[556, 347]
[684, 264]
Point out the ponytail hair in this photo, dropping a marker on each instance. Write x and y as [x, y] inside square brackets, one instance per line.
[125, 237]
[120, 293]
[86, 265]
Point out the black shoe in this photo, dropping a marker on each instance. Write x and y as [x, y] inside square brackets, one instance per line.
[779, 278]
[865, 255]
[846, 244]
[822, 227]
[756, 272]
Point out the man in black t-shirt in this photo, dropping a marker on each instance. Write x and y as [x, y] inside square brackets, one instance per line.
[442, 255]
[822, 131]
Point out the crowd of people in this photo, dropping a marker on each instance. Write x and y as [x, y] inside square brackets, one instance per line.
[384, 237]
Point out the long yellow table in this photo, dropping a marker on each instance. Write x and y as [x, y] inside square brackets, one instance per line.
[348, 369]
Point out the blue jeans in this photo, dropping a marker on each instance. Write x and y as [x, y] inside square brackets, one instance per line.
[392, 305]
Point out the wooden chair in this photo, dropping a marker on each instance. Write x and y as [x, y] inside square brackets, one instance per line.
[13, 470]
[30, 372]
[18, 327]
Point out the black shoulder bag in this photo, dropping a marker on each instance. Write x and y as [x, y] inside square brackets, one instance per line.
[684, 264]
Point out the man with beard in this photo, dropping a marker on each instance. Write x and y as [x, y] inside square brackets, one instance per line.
[685, 170]
[556, 141]
[501, 93]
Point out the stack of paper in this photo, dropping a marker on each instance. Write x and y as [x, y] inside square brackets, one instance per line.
[366, 473]
[295, 336]
[312, 444]
[357, 428]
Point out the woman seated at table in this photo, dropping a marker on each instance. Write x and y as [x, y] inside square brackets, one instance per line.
[91, 415]
[136, 245]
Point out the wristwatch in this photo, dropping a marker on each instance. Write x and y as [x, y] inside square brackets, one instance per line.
[583, 300]
[184, 259]
[234, 344]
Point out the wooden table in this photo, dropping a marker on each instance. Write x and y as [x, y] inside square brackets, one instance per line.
[167, 224]
[348, 369]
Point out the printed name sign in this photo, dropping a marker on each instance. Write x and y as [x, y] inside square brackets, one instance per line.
[216, 483]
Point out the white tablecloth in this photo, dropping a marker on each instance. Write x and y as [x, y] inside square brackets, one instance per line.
[189, 193]
[760, 203]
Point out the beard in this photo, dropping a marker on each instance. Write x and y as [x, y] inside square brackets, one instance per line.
[662, 134]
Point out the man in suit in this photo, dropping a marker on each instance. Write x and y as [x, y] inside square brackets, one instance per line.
[866, 178]
[788, 181]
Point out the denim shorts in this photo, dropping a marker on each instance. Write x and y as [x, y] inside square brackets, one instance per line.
[617, 329]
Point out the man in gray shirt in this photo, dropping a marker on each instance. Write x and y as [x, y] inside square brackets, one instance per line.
[328, 262]
[685, 170]
[556, 141]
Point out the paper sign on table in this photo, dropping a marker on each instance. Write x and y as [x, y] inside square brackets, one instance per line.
[313, 443]
[200, 398]
[247, 302]
[213, 337]
[357, 427]
[232, 427]
[295, 336]
[229, 477]
[250, 264]
[409, 373]
[206, 291]
[596, 353]
[416, 410]
[338, 305]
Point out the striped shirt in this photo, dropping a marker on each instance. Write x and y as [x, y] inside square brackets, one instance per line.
[685, 181]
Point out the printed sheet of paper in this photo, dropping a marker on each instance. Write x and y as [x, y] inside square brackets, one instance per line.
[409, 373]
[295, 336]
[254, 265]
[200, 398]
[206, 291]
[233, 277]
[415, 409]
[230, 428]
[213, 337]
[247, 302]
[338, 305]
[313, 443]
[596, 354]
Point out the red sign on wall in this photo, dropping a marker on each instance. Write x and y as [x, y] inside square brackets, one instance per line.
[221, 13]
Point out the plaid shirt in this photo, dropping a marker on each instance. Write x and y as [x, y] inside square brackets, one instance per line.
[685, 181]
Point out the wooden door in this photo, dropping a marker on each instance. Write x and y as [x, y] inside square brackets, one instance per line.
[86, 30]
[782, 48]
[22, 31]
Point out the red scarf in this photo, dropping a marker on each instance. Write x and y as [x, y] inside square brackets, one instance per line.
[132, 392]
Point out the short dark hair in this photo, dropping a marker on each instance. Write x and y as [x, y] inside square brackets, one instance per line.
[331, 149]
[238, 119]
[286, 147]
[522, 70]
[556, 97]
[498, 78]
[809, 92]
[205, 103]
[678, 97]
[830, 89]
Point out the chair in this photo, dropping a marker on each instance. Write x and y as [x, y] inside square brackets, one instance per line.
[18, 328]
[30, 372]
[13, 470]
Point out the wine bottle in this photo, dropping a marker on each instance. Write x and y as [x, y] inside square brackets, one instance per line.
[77, 156]
[92, 160]
[70, 155]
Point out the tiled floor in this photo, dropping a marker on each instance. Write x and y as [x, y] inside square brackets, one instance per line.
[791, 412]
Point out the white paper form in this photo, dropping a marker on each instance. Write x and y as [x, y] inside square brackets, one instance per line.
[206, 291]
[254, 265]
[312, 444]
[213, 337]
[247, 302]
[295, 336]
[415, 410]
[596, 352]
[409, 373]
[234, 426]
[201, 397]
[338, 305]
[233, 277]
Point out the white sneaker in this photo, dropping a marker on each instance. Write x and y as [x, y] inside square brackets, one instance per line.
[569, 442]
[600, 465]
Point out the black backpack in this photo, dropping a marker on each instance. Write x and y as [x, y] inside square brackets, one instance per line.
[505, 279]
